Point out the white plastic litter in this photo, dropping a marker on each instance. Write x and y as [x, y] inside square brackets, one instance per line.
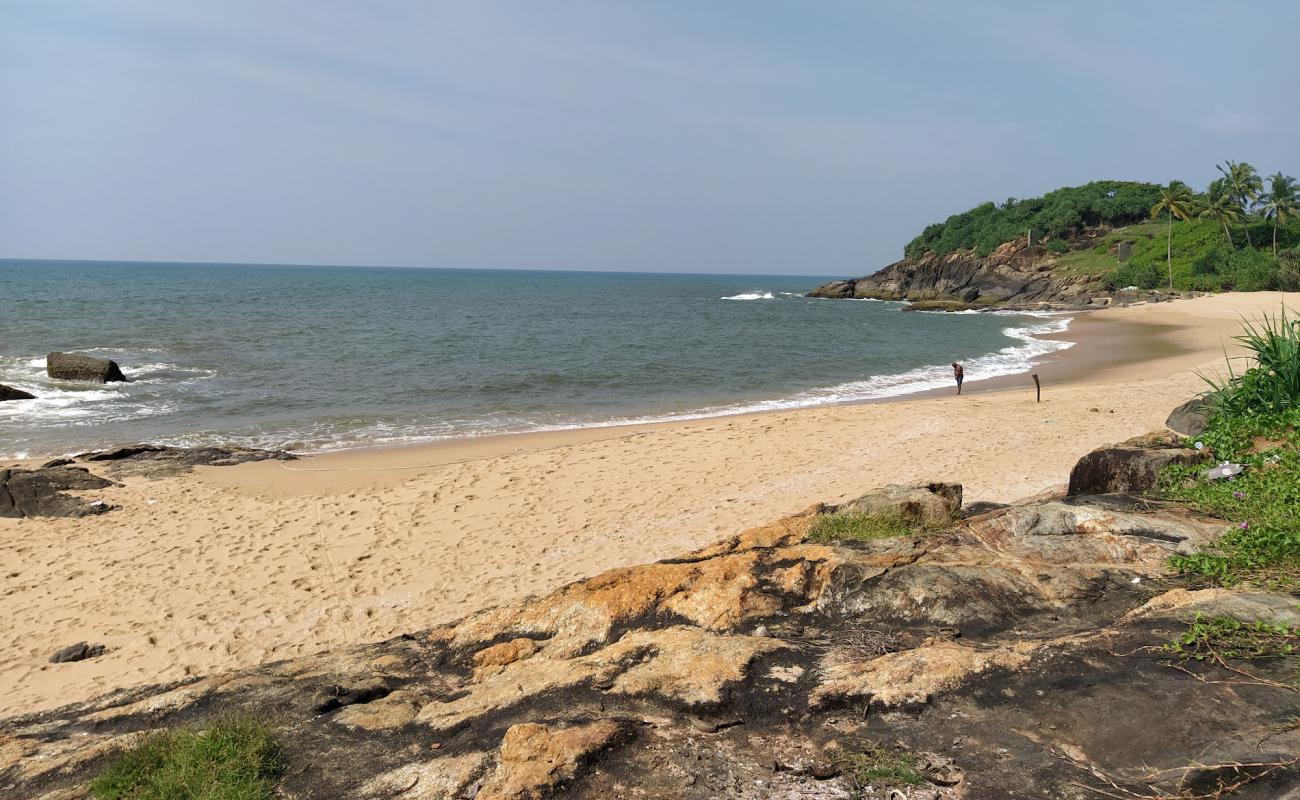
[1225, 470]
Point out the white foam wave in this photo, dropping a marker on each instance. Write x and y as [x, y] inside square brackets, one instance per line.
[751, 296]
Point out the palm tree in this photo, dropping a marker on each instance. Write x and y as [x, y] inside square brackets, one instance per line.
[1279, 202]
[1176, 201]
[1244, 186]
[1220, 207]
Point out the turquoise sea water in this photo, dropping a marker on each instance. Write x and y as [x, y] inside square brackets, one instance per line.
[316, 358]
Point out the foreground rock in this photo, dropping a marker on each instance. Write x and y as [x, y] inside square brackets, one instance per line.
[43, 492]
[10, 393]
[1191, 418]
[1012, 655]
[157, 461]
[1132, 466]
[76, 367]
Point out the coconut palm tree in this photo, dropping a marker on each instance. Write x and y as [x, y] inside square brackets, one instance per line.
[1176, 201]
[1244, 186]
[1280, 202]
[1220, 207]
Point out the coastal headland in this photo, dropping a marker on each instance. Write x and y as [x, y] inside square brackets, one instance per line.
[234, 566]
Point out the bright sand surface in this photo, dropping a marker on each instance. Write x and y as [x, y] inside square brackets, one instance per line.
[233, 566]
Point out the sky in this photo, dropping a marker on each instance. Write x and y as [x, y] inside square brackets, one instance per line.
[807, 138]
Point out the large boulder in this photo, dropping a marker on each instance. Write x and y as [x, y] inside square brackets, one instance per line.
[10, 393]
[40, 492]
[928, 504]
[75, 367]
[1190, 418]
[1132, 466]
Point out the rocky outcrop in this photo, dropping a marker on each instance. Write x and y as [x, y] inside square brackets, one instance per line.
[157, 461]
[1014, 275]
[1132, 466]
[76, 367]
[1010, 654]
[10, 393]
[1190, 418]
[43, 492]
[925, 504]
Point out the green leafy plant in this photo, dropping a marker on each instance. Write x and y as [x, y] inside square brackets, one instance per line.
[233, 759]
[1223, 637]
[1271, 384]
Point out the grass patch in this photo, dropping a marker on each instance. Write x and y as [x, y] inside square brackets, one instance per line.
[233, 759]
[876, 767]
[858, 526]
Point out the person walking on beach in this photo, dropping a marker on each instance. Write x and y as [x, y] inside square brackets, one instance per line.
[958, 373]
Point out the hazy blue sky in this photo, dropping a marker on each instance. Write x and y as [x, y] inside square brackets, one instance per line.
[795, 137]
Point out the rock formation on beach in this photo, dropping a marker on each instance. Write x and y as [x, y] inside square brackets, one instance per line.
[76, 367]
[10, 393]
[43, 492]
[1007, 652]
[1015, 275]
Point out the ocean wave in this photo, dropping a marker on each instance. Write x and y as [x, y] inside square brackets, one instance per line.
[751, 296]
[163, 387]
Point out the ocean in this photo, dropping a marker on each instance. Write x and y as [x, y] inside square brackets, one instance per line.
[322, 358]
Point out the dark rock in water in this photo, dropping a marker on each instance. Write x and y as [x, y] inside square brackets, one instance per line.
[76, 367]
[40, 492]
[154, 460]
[1129, 467]
[78, 652]
[941, 305]
[1190, 418]
[10, 393]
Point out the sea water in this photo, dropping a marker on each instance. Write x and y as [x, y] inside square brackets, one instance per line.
[319, 358]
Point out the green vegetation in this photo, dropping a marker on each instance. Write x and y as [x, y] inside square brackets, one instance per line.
[1215, 638]
[873, 768]
[1054, 215]
[1256, 422]
[859, 526]
[1271, 384]
[1233, 236]
[234, 759]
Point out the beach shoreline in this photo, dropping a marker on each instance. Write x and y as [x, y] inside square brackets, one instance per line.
[233, 566]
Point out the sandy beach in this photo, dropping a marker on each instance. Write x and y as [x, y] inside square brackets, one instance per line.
[233, 566]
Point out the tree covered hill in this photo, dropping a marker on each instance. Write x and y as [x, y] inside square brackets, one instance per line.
[1055, 215]
[1241, 233]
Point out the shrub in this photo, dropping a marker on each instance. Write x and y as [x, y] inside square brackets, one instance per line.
[234, 759]
[1143, 276]
[1271, 384]
[1058, 246]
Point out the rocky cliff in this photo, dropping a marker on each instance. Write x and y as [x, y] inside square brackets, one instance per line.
[995, 652]
[1015, 274]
